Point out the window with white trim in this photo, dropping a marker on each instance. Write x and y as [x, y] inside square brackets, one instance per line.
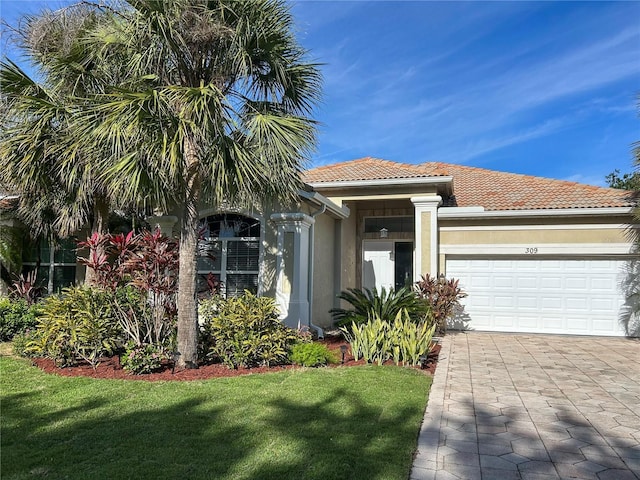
[230, 250]
[56, 264]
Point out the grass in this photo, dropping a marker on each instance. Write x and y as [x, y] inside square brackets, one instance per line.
[338, 423]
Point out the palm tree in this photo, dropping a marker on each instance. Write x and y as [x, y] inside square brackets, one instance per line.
[41, 157]
[217, 110]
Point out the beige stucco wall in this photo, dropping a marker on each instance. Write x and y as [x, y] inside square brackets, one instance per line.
[377, 193]
[560, 230]
[563, 236]
[526, 236]
[349, 248]
[425, 247]
[323, 270]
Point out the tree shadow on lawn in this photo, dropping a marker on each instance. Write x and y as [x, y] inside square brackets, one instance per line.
[180, 441]
[361, 441]
[336, 435]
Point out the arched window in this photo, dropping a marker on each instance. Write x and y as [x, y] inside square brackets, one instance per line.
[230, 250]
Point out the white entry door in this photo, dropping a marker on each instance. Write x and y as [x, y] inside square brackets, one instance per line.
[378, 267]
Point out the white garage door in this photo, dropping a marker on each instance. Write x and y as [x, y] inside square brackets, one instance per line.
[580, 297]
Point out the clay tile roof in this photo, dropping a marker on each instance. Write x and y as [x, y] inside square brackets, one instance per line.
[473, 186]
[367, 168]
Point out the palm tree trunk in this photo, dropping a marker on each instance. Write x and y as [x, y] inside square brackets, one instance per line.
[187, 273]
[100, 225]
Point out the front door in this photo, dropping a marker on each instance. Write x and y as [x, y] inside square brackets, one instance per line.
[386, 264]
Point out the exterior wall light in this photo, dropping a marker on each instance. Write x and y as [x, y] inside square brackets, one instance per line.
[384, 233]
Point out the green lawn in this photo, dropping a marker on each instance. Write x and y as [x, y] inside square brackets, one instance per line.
[338, 423]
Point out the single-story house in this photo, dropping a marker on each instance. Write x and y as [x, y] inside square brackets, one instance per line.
[533, 254]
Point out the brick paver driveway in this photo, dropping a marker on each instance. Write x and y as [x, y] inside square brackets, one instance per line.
[510, 406]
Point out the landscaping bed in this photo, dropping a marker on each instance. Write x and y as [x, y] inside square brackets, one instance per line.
[110, 367]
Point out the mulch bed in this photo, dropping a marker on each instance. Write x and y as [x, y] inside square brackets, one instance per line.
[110, 368]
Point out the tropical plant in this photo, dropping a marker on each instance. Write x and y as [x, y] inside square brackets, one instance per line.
[401, 340]
[16, 316]
[216, 109]
[140, 272]
[77, 324]
[312, 354]
[443, 296]
[25, 286]
[367, 304]
[245, 332]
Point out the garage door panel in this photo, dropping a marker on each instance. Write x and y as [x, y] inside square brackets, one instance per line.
[482, 321]
[528, 322]
[527, 302]
[576, 304]
[504, 301]
[525, 282]
[503, 282]
[578, 296]
[481, 301]
[480, 281]
[550, 283]
[602, 284]
[601, 326]
[552, 265]
[505, 321]
[550, 303]
[603, 305]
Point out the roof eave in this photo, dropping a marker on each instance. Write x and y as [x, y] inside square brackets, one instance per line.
[384, 182]
[320, 200]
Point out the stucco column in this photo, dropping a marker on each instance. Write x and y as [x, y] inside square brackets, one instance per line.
[426, 235]
[164, 222]
[292, 267]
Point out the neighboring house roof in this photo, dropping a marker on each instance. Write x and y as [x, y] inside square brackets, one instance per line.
[473, 186]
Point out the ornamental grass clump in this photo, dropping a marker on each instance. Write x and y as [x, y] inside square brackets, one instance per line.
[402, 340]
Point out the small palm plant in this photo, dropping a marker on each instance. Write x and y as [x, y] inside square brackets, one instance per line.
[382, 304]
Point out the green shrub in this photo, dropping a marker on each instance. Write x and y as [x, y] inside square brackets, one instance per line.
[401, 340]
[443, 296]
[23, 342]
[16, 316]
[368, 304]
[139, 359]
[245, 332]
[312, 355]
[77, 324]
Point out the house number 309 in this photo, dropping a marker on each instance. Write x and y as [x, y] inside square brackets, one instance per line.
[531, 250]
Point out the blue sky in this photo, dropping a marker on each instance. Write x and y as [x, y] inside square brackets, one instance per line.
[541, 88]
